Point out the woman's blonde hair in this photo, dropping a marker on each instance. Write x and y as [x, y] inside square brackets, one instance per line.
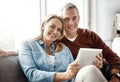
[58, 45]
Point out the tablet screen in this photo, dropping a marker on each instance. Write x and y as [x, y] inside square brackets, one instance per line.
[86, 56]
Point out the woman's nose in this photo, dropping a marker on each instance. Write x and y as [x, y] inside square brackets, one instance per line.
[55, 31]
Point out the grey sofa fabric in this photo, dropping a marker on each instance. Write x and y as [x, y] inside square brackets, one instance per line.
[10, 70]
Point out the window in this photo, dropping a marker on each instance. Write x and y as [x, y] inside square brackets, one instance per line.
[55, 6]
[19, 20]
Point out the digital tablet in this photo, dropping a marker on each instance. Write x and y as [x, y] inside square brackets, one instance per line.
[86, 56]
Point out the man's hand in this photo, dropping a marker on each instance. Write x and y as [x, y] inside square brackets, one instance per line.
[114, 79]
[99, 61]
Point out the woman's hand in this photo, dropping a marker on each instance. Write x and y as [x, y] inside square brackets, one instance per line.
[69, 74]
[72, 70]
[99, 61]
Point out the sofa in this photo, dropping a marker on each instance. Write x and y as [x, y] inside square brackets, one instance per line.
[115, 45]
[10, 70]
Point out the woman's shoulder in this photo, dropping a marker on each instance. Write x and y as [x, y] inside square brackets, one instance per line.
[29, 42]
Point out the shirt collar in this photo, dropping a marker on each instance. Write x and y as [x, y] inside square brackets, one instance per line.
[52, 47]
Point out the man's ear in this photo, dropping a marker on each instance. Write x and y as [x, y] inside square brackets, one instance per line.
[79, 18]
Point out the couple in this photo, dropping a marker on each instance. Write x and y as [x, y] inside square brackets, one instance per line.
[47, 58]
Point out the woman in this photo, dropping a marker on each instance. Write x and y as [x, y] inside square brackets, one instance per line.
[43, 59]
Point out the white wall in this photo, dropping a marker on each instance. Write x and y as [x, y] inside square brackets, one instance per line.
[81, 5]
[19, 20]
[106, 11]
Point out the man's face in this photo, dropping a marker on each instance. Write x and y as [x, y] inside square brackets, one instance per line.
[71, 20]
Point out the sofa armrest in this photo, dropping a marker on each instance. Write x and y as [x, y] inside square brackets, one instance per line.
[10, 70]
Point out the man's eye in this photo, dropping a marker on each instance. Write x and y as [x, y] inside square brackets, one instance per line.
[66, 19]
[74, 18]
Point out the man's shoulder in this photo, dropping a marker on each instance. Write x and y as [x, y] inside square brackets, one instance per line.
[62, 39]
[85, 31]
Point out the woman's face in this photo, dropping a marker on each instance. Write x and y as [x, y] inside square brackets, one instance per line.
[52, 30]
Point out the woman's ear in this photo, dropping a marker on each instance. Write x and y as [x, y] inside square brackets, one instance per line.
[42, 27]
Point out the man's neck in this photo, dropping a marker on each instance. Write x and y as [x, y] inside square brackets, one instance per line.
[70, 35]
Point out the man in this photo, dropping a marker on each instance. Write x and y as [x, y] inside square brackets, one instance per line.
[76, 38]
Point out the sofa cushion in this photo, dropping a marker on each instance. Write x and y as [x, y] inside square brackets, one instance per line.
[10, 70]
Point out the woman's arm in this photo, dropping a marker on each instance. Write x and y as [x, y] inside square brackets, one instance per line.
[33, 65]
[29, 63]
[70, 73]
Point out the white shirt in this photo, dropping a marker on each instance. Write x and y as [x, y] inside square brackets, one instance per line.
[72, 39]
[52, 58]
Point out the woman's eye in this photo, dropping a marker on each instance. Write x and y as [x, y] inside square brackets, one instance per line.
[59, 30]
[52, 26]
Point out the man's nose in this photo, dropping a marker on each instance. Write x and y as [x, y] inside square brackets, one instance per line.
[71, 22]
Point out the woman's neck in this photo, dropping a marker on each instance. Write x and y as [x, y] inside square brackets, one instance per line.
[48, 50]
[48, 43]
[47, 46]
